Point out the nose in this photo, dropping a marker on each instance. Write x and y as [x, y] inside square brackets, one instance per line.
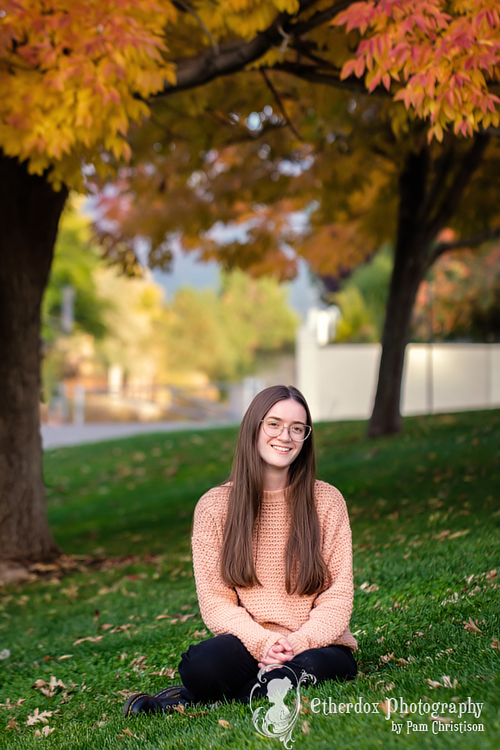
[282, 434]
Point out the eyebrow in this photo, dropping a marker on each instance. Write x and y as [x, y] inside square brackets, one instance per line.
[297, 421]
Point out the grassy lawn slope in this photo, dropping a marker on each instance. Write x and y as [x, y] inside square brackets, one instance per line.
[117, 612]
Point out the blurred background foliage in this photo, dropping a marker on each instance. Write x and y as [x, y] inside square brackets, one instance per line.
[219, 334]
[127, 321]
[459, 300]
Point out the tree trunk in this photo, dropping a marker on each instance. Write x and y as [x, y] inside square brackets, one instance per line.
[428, 197]
[410, 266]
[29, 216]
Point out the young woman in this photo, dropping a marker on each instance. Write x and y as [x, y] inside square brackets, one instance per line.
[272, 558]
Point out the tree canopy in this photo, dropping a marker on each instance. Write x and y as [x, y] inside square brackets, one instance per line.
[441, 58]
[74, 75]
[80, 82]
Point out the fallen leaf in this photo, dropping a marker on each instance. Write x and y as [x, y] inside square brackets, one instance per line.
[224, 724]
[44, 732]
[128, 733]
[123, 628]
[184, 618]
[36, 716]
[8, 705]
[92, 639]
[386, 686]
[459, 533]
[491, 574]
[446, 683]
[385, 658]
[368, 588]
[306, 727]
[433, 683]
[383, 707]
[442, 719]
[199, 633]
[49, 688]
[164, 672]
[471, 626]
[12, 725]
[495, 643]
[163, 617]
[182, 710]
[64, 656]
[443, 534]
[139, 662]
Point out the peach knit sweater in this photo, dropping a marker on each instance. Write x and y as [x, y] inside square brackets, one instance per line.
[259, 615]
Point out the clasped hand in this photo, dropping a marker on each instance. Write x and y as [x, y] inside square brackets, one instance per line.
[278, 654]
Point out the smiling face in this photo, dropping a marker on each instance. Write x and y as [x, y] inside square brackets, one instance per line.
[278, 453]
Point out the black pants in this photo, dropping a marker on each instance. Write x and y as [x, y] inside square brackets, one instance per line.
[221, 667]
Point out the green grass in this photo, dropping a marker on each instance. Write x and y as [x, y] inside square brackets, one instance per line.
[425, 516]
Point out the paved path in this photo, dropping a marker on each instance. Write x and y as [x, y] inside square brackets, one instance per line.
[70, 434]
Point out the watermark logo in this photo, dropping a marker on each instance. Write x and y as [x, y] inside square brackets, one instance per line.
[280, 718]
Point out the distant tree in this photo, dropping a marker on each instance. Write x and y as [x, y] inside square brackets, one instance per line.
[220, 334]
[362, 300]
[75, 263]
[460, 298]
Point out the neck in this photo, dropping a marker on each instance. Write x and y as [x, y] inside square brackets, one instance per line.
[275, 479]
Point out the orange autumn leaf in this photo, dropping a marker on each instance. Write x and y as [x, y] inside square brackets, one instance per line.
[439, 59]
[75, 75]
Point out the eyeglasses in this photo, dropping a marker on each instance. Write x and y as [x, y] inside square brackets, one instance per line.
[298, 432]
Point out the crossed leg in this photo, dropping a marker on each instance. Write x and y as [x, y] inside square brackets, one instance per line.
[221, 667]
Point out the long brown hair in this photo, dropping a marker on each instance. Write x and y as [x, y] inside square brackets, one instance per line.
[306, 570]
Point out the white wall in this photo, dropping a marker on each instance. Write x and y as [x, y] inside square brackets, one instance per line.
[339, 380]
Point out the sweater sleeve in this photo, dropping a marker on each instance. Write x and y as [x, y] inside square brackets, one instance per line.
[219, 604]
[331, 610]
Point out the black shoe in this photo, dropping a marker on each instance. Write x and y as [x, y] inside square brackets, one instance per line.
[141, 703]
[163, 702]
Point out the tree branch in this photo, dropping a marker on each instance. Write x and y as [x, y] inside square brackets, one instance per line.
[303, 51]
[280, 104]
[474, 241]
[321, 17]
[313, 74]
[184, 6]
[235, 56]
[443, 165]
[470, 163]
